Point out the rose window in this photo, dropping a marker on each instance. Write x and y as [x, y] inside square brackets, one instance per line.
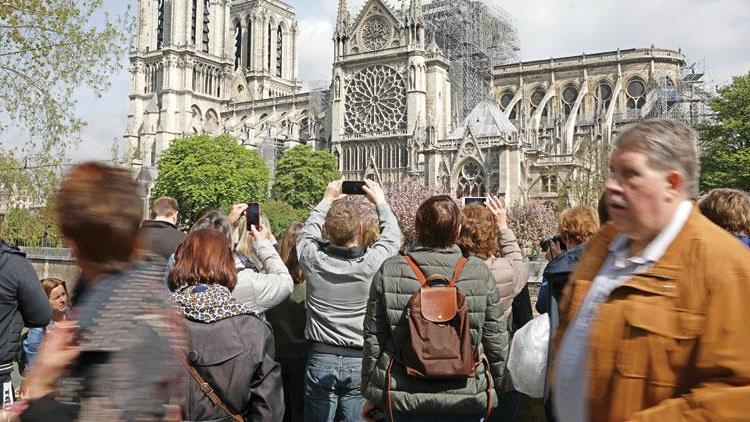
[376, 101]
[376, 32]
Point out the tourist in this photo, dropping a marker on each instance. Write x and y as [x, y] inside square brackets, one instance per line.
[115, 362]
[231, 348]
[652, 315]
[288, 322]
[160, 234]
[486, 235]
[22, 303]
[371, 230]
[338, 273]
[730, 210]
[385, 382]
[576, 226]
[59, 303]
[263, 281]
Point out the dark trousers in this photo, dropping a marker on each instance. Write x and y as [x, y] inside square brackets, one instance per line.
[293, 380]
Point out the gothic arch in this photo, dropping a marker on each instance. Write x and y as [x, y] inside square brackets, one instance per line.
[196, 123]
[212, 121]
[470, 178]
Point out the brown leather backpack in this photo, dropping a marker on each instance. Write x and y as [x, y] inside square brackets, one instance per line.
[439, 345]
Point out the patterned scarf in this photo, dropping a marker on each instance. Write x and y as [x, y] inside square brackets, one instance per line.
[208, 303]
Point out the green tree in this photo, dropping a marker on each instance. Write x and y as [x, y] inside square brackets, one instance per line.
[725, 143]
[48, 49]
[201, 171]
[27, 227]
[302, 175]
[281, 215]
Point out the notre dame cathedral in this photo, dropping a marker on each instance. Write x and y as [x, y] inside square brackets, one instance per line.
[428, 90]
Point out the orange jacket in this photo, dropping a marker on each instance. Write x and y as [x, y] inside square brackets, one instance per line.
[672, 343]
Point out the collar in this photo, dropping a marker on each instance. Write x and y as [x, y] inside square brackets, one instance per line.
[343, 252]
[656, 248]
[156, 223]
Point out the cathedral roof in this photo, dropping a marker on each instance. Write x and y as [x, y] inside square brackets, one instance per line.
[486, 120]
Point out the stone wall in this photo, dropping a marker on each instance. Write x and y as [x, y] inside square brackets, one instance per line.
[56, 263]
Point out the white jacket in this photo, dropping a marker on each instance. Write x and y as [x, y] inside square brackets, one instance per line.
[267, 288]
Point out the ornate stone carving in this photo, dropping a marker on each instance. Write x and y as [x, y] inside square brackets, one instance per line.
[376, 32]
[376, 101]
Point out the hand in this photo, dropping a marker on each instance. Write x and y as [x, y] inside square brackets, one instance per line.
[554, 250]
[56, 352]
[374, 192]
[263, 234]
[366, 409]
[333, 192]
[498, 210]
[236, 212]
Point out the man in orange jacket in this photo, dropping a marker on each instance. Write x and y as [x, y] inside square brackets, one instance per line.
[653, 317]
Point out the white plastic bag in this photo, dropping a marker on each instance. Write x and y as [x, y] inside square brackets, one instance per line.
[527, 361]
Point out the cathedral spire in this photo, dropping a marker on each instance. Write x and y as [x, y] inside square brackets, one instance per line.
[415, 10]
[342, 22]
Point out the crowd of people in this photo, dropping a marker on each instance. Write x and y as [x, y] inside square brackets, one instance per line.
[339, 320]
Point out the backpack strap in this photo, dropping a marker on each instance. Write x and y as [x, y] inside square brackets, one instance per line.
[423, 279]
[417, 271]
[457, 271]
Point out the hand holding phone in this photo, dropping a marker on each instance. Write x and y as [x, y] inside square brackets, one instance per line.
[252, 213]
[353, 187]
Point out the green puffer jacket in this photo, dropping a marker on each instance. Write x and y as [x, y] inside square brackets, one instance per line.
[386, 329]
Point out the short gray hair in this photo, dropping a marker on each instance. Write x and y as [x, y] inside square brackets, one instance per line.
[669, 145]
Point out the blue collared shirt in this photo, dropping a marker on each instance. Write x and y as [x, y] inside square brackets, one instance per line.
[571, 380]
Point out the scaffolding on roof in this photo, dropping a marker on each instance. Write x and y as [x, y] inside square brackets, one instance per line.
[476, 36]
[685, 100]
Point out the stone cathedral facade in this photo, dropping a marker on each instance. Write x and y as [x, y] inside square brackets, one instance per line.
[389, 113]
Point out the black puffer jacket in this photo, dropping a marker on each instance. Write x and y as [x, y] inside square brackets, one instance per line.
[22, 300]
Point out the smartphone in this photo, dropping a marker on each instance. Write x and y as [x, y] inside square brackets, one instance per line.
[468, 200]
[253, 215]
[353, 187]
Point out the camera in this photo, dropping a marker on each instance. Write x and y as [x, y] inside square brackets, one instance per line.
[546, 243]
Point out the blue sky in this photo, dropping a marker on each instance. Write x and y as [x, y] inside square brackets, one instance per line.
[715, 32]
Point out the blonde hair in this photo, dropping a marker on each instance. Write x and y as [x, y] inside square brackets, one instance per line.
[577, 225]
[371, 230]
[243, 241]
[728, 209]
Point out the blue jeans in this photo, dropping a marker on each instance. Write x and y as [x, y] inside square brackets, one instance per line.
[333, 383]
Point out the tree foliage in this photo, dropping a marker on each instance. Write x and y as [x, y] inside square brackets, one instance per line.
[30, 227]
[405, 198]
[48, 48]
[281, 215]
[725, 143]
[531, 221]
[584, 184]
[201, 171]
[302, 175]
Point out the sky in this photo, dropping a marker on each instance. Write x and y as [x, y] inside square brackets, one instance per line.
[715, 34]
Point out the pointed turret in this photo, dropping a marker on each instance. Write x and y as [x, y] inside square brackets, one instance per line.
[342, 22]
[415, 11]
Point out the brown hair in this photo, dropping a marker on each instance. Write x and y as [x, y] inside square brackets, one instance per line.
[49, 284]
[338, 225]
[164, 207]
[371, 232]
[437, 222]
[729, 209]
[288, 252]
[479, 232]
[99, 209]
[204, 257]
[577, 225]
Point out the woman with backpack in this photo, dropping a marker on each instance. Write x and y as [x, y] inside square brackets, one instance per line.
[435, 338]
[231, 349]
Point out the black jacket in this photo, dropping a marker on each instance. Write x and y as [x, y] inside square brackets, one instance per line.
[559, 269]
[160, 237]
[235, 356]
[22, 300]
